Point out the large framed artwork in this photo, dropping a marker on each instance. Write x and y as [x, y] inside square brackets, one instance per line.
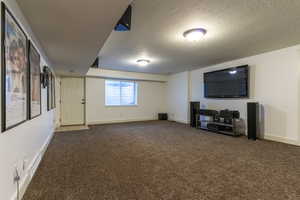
[14, 72]
[35, 82]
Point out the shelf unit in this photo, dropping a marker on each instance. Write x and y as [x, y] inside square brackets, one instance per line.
[217, 127]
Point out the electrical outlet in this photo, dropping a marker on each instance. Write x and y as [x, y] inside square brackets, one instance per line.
[16, 181]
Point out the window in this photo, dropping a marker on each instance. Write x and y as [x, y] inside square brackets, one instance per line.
[120, 93]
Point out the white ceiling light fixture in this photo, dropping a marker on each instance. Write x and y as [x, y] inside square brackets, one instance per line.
[143, 62]
[194, 35]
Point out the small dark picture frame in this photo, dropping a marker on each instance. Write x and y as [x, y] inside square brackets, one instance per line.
[50, 91]
[45, 77]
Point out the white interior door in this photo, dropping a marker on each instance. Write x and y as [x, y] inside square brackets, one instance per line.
[72, 101]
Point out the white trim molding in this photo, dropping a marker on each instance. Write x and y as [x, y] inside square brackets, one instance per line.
[31, 169]
[120, 121]
[281, 139]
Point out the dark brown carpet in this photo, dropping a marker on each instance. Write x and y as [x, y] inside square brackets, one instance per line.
[164, 161]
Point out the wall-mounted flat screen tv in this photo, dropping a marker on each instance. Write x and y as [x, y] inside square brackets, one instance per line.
[227, 83]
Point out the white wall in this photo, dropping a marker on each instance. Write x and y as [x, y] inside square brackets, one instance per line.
[274, 83]
[23, 144]
[178, 97]
[151, 101]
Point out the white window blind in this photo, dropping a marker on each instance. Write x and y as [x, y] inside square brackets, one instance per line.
[120, 93]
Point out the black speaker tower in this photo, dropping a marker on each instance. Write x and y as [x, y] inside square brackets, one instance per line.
[253, 120]
[194, 108]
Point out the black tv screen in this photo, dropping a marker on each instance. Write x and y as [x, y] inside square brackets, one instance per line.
[227, 83]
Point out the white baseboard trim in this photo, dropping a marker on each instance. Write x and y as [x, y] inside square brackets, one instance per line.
[120, 121]
[281, 139]
[179, 121]
[31, 169]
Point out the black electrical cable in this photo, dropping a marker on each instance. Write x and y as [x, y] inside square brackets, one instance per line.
[17, 179]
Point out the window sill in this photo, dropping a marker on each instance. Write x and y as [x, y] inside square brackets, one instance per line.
[136, 105]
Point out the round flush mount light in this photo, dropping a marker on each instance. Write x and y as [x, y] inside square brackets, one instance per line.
[194, 35]
[143, 62]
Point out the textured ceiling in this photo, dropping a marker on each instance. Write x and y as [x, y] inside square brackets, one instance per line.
[236, 28]
[72, 31]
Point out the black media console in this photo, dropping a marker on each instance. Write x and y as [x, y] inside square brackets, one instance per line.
[225, 122]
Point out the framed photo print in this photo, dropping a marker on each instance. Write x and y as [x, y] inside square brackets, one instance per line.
[45, 76]
[35, 82]
[14, 72]
[53, 91]
[49, 91]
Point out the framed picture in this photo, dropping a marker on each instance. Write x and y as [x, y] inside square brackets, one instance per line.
[50, 91]
[15, 73]
[44, 77]
[53, 91]
[35, 82]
